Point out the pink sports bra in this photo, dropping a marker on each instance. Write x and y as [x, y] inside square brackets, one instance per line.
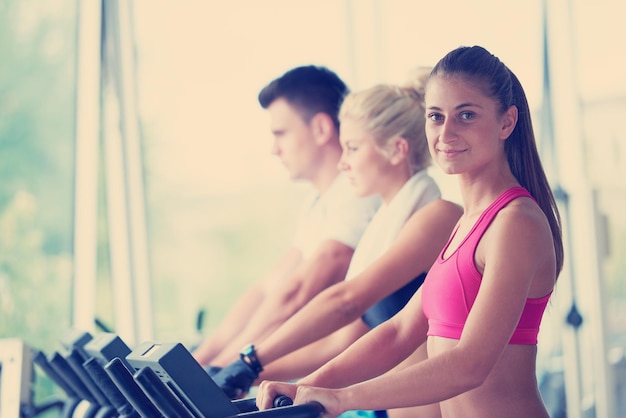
[452, 284]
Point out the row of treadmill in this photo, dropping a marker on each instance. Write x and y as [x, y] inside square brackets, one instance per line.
[101, 377]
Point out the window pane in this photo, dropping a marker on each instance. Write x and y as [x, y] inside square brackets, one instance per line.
[37, 44]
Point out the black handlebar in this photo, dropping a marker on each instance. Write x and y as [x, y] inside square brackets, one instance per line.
[282, 400]
[284, 407]
[308, 410]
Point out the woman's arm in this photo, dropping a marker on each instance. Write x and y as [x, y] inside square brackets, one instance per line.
[516, 258]
[413, 252]
[373, 354]
[311, 357]
[376, 352]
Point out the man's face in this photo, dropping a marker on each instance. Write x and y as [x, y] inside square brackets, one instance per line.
[294, 142]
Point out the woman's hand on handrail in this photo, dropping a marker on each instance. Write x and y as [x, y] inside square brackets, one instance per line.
[269, 391]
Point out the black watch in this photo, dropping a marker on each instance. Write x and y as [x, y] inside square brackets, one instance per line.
[248, 355]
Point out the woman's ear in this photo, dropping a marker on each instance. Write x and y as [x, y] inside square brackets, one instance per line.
[322, 127]
[399, 149]
[509, 120]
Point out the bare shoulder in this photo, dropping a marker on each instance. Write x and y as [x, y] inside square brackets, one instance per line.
[520, 239]
[437, 215]
[522, 216]
[431, 225]
[332, 249]
[442, 208]
[520, 227]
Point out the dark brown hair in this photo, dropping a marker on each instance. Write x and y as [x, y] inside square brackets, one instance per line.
[497, 81]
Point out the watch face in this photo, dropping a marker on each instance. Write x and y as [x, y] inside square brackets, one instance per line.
[247, 350]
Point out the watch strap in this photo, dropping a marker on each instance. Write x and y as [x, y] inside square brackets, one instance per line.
[248, 355]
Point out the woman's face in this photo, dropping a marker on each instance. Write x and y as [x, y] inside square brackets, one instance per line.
[464, 130]
[364, 163]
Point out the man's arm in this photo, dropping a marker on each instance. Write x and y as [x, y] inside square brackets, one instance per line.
[245, 308]
[327, 266]
[230, 326]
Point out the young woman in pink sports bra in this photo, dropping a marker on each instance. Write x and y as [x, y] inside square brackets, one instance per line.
[481, 305]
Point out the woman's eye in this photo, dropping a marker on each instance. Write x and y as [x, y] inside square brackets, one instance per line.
[467, 115]
[434, 116]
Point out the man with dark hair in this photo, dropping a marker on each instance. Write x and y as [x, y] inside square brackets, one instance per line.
[303, 105]
[310, 90]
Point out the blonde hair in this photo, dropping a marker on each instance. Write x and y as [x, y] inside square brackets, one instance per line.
[388, 112]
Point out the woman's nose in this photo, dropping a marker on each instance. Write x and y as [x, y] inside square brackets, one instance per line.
[274, 149]
[342, 165]
[448, 131]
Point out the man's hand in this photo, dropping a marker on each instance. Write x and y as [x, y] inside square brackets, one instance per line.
[236, 379]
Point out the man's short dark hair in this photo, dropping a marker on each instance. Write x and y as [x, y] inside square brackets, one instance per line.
[309, 89]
